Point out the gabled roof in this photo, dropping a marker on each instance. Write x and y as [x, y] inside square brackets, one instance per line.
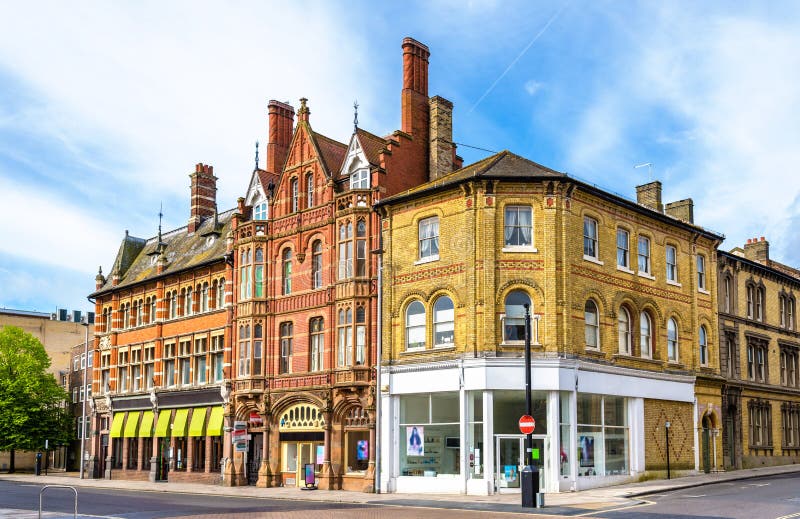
[372, 145]
[331, 152]
[181, 250]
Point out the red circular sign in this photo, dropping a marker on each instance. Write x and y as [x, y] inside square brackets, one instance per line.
[527, 424]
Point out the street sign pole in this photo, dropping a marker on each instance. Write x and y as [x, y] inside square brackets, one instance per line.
[530, 474]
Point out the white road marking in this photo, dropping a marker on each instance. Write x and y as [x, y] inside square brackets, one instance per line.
[627, 507]
[790, 516]
[701, 495]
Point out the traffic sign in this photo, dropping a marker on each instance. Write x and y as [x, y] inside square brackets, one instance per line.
[527, 424]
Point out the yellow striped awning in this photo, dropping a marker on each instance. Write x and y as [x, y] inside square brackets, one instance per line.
[162, 427]
[179, 423]
[198, 421]
[215, 422]
[132, 424]
[146, 427]
[116, 425]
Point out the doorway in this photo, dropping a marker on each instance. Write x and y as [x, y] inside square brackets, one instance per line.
[254, 455]
[706, 444]
[295, 456]
[509, 460]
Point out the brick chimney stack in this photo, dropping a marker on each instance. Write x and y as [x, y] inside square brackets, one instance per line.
[649, 195]
[441, 150]
[281, 127]
[757, 250]
[682, 210]
[204, 195]
[414, 97]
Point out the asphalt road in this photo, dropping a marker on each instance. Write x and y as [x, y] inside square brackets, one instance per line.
[757, 498]
[760, 498]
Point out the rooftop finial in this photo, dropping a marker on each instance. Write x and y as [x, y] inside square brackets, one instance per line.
[355, 117]
[256, 154]
[160, 215]
[303, 107]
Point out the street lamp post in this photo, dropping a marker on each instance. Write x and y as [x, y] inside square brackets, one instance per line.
[666, 427]
[530, 474]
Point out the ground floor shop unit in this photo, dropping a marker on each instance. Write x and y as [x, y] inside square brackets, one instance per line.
[452, 426]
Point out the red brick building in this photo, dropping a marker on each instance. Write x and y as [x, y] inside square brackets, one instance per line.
[242, 347]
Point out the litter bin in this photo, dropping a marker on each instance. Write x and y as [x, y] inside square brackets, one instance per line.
[529, 483]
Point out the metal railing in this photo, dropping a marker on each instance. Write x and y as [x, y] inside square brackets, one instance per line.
[41, 495]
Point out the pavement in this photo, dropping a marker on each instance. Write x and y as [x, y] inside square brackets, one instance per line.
[567, 503]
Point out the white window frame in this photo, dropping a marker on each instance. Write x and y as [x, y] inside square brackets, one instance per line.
[624, 336]
[672, 263]
[591, 239]
[624, 251]
[432, 222]
[359, 179]
[647, 270]
[673, 343]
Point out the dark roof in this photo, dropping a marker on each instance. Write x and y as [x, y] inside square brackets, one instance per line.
[785, 271]
[372, 146]
[510, 166]
[181, 250]
[265, 176]
[332, 152]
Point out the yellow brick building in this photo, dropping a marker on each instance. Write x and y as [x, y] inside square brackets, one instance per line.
[760, 344]
[621, 296]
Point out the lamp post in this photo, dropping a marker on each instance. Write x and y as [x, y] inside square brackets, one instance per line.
[85, 322]
[530, 473]
[666, 427]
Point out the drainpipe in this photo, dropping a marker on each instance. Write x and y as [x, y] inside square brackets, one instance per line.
[379, 353]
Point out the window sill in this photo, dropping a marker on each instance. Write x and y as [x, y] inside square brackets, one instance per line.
[639, 359]
[592, 259]
[646, 275]
[520, 344]
[521, 249]
[704, 291]
[594, 352]
[674, 364]
[674, 283]
[444, 347]
[429, 259]
[624, 269]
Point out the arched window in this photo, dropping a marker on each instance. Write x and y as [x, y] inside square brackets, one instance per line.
[672, 340]
[189, 302]
[750, 299]
[173, 305]
[295, 196]
[514, 318]
[727, 295]
[624, 322]
[152, 312]
[316, 264]
[591, 325]
[703, 343]
[221, 293]
[443, 322]
[309, 190]
[645, 335]
[415, 326]
[204, 297]
[287, 271]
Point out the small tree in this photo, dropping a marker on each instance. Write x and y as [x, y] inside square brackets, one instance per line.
[32, 404]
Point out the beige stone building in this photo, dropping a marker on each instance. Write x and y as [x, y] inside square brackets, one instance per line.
[622, 298]
[760, 344]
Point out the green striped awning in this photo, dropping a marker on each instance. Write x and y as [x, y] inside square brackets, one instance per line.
[132, 424]
[162, 427]
[116, 425]
[215, 422]
[146, 427]
[179, 423]
[198, 422]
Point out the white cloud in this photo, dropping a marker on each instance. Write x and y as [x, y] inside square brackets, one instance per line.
[533, 86]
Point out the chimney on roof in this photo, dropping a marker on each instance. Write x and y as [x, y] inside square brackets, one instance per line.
[414, 97]
[441, 147]
[281, 126]
[757, 250]
[682, 210]
[204, 195]
[649, 195]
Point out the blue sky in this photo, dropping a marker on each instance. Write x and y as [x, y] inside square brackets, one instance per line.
[105, 107]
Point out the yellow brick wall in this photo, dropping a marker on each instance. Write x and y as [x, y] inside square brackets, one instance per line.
[681, 436]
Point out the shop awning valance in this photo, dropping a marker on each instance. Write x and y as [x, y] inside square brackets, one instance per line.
[198, 423]
[132, 424]
[146, 427]
[215, 422]
[179, 423]
[162, 427]
[116, 425]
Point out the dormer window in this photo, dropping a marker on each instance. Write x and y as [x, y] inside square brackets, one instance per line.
[360, 179]
[260, 211]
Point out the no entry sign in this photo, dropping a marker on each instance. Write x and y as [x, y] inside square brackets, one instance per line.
[527, 424]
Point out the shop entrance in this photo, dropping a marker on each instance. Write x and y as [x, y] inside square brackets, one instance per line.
[509, 460]
[254, 454]
[295, 456]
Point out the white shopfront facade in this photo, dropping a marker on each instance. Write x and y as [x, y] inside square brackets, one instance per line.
[452, 426]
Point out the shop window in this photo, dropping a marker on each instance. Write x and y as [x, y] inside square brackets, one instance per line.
[199, 454]
[565, 443]
[476, 452]
[147, 449]
[179, 453]
[507, 406]
[591, 319]
[133, 453]
[426, 440]
[603, 435]
[415, 326]
[357, 450]
[216, 453]
[443, 321]
[116, 453]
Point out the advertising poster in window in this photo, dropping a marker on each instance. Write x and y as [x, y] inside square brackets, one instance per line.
[320, 454]
[586, 446]
[416, 440]
[362, 450]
